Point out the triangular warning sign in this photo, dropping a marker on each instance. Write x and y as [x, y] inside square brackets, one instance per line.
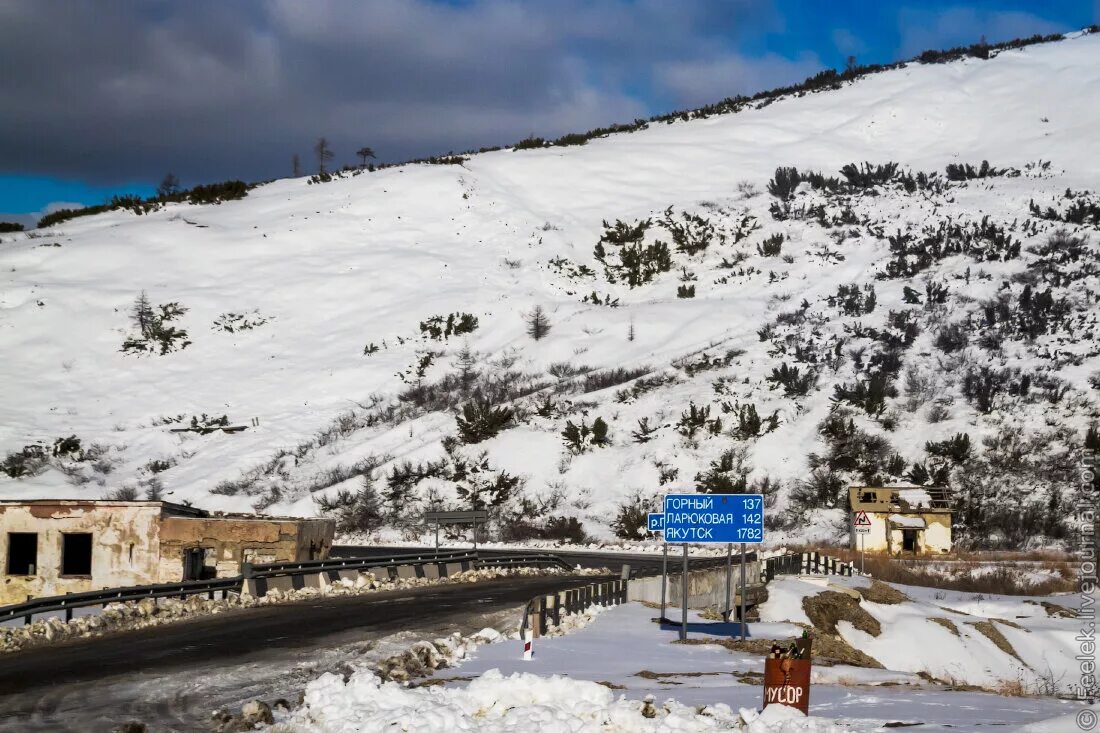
[862, 520]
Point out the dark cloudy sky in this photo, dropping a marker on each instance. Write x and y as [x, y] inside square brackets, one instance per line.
[102, 97]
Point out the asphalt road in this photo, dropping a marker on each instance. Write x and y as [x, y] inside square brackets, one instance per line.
[640, 564]
[148, 674]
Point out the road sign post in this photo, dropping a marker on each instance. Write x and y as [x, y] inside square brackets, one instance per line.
[729, 576]
[741, 621]
[861, 524]
[465, 517]
[655, 522]
[684, 597]
[713, 519]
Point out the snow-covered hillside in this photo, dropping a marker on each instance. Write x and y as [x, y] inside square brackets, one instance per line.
[919, 307]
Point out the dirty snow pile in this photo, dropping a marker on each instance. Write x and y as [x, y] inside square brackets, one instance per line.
[1011, 644]
[714, 320]
[493, 703]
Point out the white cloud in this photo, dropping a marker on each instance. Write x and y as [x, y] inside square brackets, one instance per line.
[925, 29]
[709, 80]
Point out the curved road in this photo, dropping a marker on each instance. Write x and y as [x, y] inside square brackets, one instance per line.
[173, 676]
[640, 564]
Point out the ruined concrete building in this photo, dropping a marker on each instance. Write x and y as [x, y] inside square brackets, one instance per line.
[901, 519]
[51, 547]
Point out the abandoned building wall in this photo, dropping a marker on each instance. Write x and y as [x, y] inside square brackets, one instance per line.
[228, 541]
[315, 538]
[937, 536]
[122, 550]
[887, 536]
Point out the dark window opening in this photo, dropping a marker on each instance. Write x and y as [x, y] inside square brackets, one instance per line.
[193, 563]
[76, 554]
[909, 540]
[869, 497]
[22, 553]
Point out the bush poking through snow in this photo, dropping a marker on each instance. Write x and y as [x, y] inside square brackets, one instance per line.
[580, 437]
[354, 511]
[480, 421]
[771, 247]
[154, 335]
[631, 520]
[794, 381]
[440, 328]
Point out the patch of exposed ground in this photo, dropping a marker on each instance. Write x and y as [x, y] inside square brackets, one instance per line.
[879, 592]
[826, 609]
[991, 632]
[946, 623]
[1054, 610]
[952, 684]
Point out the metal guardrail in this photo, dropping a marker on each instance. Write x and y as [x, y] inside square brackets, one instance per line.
[71, 601]
[181, 590]
[538, 560]
[275, 569]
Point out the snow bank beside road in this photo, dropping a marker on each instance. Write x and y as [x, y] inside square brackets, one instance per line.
[494, 703]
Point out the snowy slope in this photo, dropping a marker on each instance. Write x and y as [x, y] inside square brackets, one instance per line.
[334, 267]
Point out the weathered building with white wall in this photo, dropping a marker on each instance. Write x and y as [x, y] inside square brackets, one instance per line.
[902, 519]
[52, 547]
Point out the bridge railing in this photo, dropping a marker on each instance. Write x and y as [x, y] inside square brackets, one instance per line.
[804, 563]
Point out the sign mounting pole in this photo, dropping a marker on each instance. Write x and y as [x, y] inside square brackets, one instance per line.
[664, 579]
[729, 579]
[684, 598]
[742, 591]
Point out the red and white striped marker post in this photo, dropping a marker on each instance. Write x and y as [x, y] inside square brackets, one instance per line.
[528, 654]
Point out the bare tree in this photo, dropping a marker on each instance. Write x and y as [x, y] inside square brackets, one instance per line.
[141, 313]
[630, 334]
[364, 153]
[323, 152]
[296, 167]
[169, 186]
[466, 364]
[538, 325]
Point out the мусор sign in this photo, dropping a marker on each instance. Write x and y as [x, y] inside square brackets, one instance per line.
[714, 518]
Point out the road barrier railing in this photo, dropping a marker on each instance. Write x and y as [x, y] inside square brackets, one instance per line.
[542, 560]
[258, 579]
[71, 601]
[542, 612]
[805, 563]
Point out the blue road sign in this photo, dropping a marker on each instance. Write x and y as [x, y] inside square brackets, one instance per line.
[656, 522]
[718, 518]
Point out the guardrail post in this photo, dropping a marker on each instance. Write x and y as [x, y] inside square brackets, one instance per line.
[556, 609]
[542, 615]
